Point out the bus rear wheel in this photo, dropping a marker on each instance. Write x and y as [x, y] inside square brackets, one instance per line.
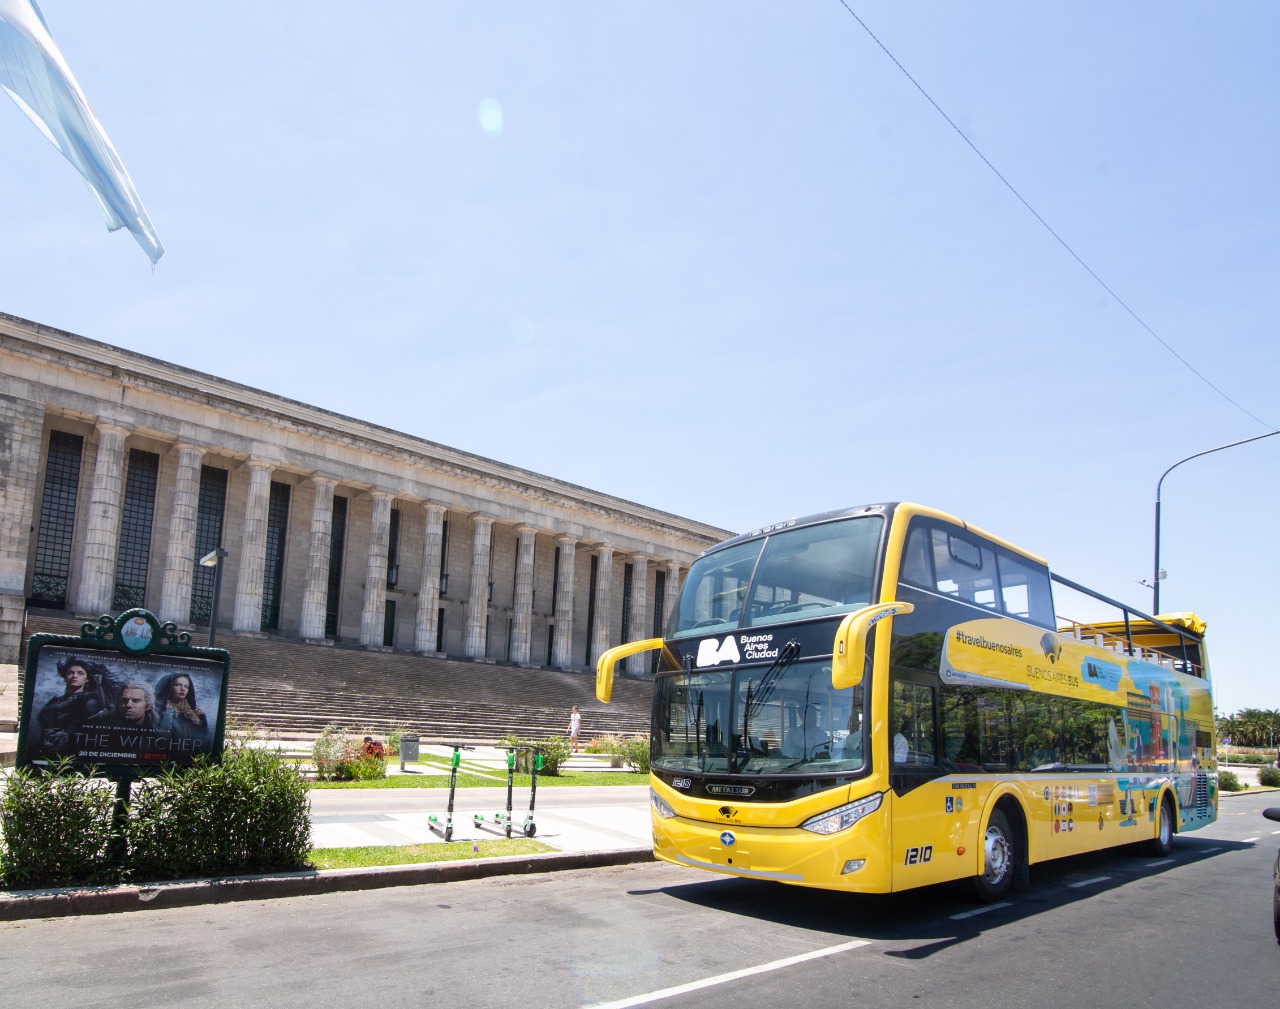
[1160, 845]
[999, 859]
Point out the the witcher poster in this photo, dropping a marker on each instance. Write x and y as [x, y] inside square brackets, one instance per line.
[107, 709]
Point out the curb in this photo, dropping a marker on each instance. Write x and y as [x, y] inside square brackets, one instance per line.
[16, 905]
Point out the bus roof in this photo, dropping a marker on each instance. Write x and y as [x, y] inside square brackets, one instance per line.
[1186, 621]
[888, 509]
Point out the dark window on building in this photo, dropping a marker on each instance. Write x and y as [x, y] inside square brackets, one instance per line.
[444, 557]
[626, 603]
[389, 624]
[551, 639]
[440, 629]
[659, 604]
[555, 588]
[136, 514]
[393, 550]
[591, 605]
[209, 510]
[57, 521]
[273, 569]
[337, 541]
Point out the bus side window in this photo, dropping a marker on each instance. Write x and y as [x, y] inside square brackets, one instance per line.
[914, 724]
[916, 568]
[1025, 590]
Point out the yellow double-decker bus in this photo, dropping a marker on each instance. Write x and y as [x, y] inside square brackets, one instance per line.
[883, 697]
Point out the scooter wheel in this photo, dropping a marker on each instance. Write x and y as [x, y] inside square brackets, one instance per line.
[530, 830]
[508, 830]
[448, 833]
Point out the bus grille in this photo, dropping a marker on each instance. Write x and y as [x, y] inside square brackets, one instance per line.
[1202, 793]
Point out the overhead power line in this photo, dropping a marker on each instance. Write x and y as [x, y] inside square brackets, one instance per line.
[1045, 224]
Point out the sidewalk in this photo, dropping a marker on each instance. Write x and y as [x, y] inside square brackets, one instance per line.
[582, 827]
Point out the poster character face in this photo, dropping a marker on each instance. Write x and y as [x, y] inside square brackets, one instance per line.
[179, 689]
[132, 705]
[76, 677]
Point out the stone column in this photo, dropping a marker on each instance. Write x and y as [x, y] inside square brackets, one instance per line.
[253, 549]
[602, 636]
[21, 428]
[180, 557]
[638, 665]
[522, 617]
[426, 627]
[672, 594]
[562, 649]
[375, 577]
[98, 571]
[315, 595]
[478, 603]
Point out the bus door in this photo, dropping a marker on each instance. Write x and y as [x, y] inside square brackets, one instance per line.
[932, 813]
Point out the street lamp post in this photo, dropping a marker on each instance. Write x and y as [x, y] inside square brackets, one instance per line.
[213, 559]
[1157, 574]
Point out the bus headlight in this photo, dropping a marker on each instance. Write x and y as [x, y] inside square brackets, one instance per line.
[843, 817]
[661, 806]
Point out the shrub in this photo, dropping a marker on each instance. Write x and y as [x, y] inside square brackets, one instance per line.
[1269, 776]
[1228, 782]
[339, 757]
[251, 813]
[56, 829]
[610, 743]
[635, 752]
[554, 750]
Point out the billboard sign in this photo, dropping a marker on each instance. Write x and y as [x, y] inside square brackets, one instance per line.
[128, 696]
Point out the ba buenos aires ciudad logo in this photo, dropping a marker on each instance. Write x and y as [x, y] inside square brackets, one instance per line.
[712, 652]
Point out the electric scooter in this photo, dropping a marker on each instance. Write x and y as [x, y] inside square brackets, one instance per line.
[445, 830]
[503, 823]
[531, 828]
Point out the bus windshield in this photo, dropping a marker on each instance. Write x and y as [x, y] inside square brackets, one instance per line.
[817, 570]
[758, 720]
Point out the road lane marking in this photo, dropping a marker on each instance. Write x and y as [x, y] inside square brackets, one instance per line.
[682, 989]
[1250, 840]
[980, 910]
[1163, 861]
[1210, 851]
[1089, 882]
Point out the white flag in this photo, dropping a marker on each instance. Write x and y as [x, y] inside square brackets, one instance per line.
[34, 74]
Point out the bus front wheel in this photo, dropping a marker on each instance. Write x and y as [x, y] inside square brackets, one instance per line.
[999, 858]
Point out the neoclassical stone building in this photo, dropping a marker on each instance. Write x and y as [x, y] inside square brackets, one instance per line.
[119, 472]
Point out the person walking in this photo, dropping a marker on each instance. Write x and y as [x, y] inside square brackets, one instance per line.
[575, 726]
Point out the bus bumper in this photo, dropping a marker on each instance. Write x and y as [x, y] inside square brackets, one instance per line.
[845, 861]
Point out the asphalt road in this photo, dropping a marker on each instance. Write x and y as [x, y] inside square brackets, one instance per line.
[1113, 929]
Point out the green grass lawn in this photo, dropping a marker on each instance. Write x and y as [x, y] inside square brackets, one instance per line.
[466, 780]
[408, 854]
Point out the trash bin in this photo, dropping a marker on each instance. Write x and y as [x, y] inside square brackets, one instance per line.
[408, 750]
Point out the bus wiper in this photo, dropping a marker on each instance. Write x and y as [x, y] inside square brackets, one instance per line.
[787, 654]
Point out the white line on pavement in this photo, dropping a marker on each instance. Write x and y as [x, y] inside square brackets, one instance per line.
[980, 910]
[654, 996]
[1089, 882]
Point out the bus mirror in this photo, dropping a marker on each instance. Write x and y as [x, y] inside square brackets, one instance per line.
[606, 662]
[849, 653]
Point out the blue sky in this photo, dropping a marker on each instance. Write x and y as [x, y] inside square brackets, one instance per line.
[721, 258]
